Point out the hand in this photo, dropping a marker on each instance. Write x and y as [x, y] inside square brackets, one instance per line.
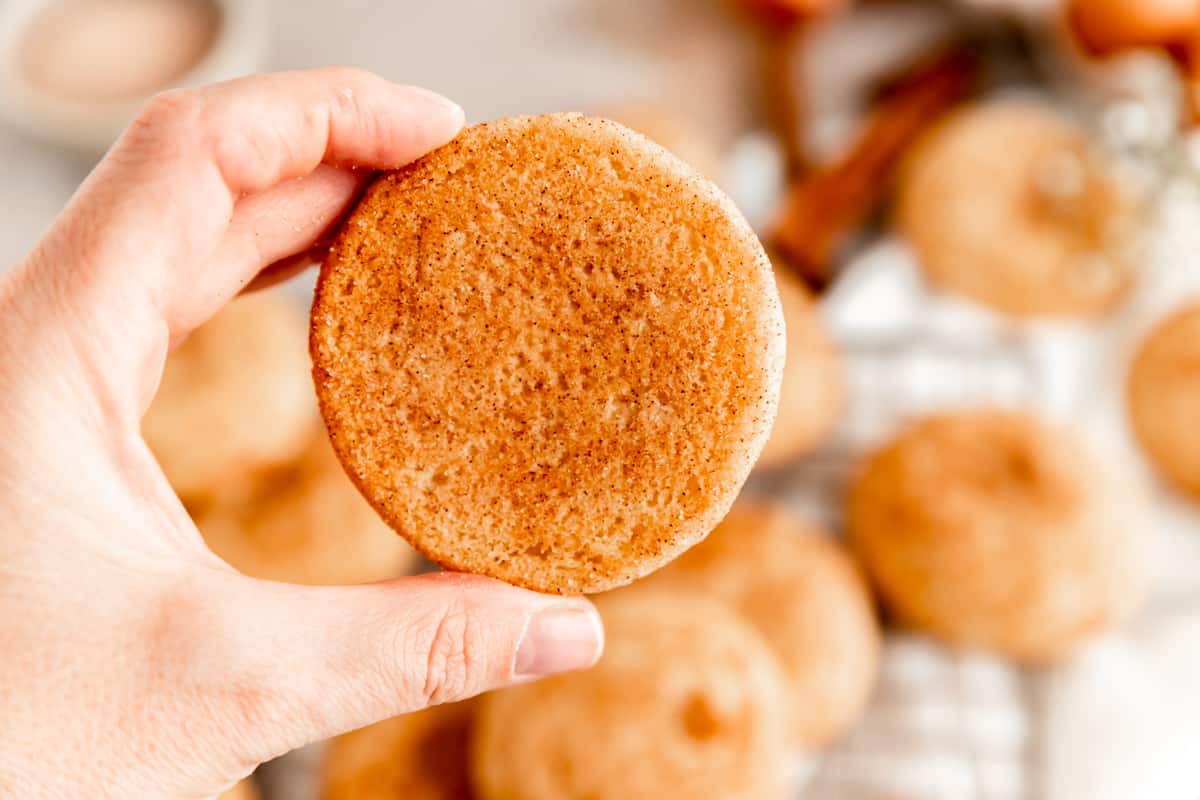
[133, 662]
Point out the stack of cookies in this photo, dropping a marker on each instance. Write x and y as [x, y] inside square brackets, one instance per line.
[758, 644]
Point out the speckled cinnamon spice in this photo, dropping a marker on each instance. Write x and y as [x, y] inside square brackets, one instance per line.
[548, 352]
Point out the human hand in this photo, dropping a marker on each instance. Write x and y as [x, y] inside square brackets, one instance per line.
[134, 662]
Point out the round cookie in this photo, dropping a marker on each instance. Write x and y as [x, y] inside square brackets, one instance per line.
[683, 704]
[1009, 204]
[235, 397]
[418, 756]
[306, 524]
[991, 529]
[548, 352]
[243, 791]
[1164, 398]
[807, 598]
[812, 392]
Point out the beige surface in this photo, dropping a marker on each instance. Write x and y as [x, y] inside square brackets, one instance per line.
[683, 704]
[106, 50]
[549, 352]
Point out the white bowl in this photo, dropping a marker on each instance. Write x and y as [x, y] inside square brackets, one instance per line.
[238, 48]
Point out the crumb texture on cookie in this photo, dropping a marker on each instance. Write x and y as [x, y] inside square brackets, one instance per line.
[683, 704]
[548, 352]
[992, 529]
[417, 756]
[1164, 398]
[802, 591]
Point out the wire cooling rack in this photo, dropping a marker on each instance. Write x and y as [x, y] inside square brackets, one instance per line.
[943, 725]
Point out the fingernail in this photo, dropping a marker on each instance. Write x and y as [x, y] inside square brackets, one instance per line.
[452, 109]
[559, 639]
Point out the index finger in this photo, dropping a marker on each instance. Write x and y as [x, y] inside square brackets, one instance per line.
[134, 243]
[173, 178]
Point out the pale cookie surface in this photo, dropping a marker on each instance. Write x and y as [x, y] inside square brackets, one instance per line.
[235, 397]
[992, 529]
[1164, 398]
[683, 704]
[548, 352]
[1009, 204]
[306, 523]
[418, 756]
[812, 393]
[807, 598]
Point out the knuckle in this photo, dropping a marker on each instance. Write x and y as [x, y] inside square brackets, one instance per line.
[456, 664]
[160, 123]
[168, 110]
[245, 159]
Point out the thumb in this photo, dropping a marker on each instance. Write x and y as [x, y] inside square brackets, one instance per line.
[308, 663]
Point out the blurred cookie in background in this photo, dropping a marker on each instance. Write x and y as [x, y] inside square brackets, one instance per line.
[1104, 26]
[812, 394]
[306, 523]
[1010, 204]
[1164, 398]
[992, 529]
[806, 596]
[673, 131]
[236, 397]
[683, 704]
[243, 791]
[418, 756]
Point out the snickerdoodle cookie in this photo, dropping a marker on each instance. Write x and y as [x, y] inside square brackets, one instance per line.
[993, 529]
[1164, 398]
[807, 598]
[306, 523]
[685, 703]
[418, 756]
[1010, 204]
[548, 352]
[235, 398]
